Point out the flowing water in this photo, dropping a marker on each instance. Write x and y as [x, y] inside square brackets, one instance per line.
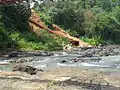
[109, 65]
[106, 64]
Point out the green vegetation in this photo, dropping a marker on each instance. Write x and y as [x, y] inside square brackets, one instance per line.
[5, 41]
[98, 21]
[15, 17]
[15, 33]
[94, 21]
[29, 41]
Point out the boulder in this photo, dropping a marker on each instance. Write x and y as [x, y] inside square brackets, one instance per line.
[24, 68]
[13, 54]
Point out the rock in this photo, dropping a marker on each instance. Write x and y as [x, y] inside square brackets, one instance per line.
[24, 68]
[46, 53]
[93, 59]
[12, 61]
[63, 61]
[63, 78]
[13, 54]
[67, 47]
[40, 53]
[28, 86]
[98, 51]
[4, 63]
[21, 60]
[76, 60]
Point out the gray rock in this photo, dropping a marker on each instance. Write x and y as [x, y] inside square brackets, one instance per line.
[24, 68]
[13, 54]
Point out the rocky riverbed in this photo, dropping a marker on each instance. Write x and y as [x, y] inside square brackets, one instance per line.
[101, 50]
[94, 68]
[59, 79]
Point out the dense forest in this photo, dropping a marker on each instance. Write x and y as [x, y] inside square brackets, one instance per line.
[93, 21]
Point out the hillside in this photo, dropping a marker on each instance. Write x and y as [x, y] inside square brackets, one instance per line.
[95, 22]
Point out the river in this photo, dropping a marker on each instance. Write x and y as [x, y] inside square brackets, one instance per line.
[105, 64]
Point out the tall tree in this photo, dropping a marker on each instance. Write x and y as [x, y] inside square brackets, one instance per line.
[15, 14]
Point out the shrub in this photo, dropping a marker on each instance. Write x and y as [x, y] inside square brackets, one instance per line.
[5, 41]
[29, 41]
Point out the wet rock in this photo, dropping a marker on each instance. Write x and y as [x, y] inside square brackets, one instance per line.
[99, 51]
[13, 54]
[24, 68]
[17, 61]
[76, 60]
[95, 59]
[46, 54]
[26, 53]
[21, 60]
[64, 61]
[40, 53]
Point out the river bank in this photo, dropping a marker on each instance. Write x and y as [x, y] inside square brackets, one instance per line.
[59, 79]
[101, 50]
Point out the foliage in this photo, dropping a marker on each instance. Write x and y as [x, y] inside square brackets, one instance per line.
[15, 29]
[45, 18]
[16, 16]
[107, 26]
[5, 41]
[93, 41]
[88, 18]
[95, 21]
[29, 41]
[68, 16]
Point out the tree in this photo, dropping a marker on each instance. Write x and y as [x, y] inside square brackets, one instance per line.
[6, 2]
[15, 14]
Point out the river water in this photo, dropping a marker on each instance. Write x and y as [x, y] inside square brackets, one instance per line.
[105, 64]
[110, 62]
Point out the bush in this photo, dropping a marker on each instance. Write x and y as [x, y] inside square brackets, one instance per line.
[45, 18]
[29, 41]
[5, 41]
[106, 27]
[68, 18]
[93, 41]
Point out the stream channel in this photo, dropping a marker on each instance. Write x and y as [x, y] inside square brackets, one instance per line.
[107, 64]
